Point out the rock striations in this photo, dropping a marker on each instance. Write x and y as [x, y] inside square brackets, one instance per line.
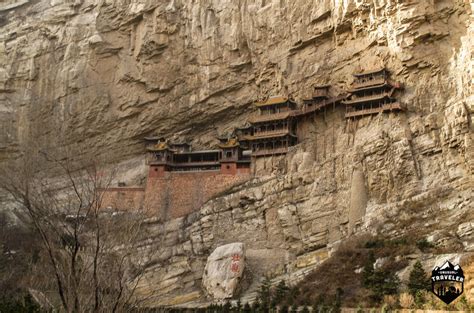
[104, 74]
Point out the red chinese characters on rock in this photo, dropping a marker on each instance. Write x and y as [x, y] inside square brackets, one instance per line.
[234, 266]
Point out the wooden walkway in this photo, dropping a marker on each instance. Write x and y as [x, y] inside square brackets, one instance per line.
[386, 107]
[265, 152]
[368, 98]
[322, 105]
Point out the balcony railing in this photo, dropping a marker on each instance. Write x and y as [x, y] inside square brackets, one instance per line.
[263, 152]
[261, 135]
[362, 99]
[314, 107]
[200, 163]
[270, 117]
[385, 107]
[375, 81]
[271, 132]
[320, 93]
[320, 104]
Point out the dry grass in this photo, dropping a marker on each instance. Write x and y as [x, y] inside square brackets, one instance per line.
[390, 301]
[407, 301]
[344, 270]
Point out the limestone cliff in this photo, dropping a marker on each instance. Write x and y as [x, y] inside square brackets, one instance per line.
[103, 74]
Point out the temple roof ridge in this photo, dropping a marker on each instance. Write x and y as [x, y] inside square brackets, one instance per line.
[231, 143]
[373, 70]
[273, 100]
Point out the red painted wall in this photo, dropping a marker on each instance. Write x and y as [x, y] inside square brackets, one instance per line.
[123, 198]
[229, 168]
[177, 194]
[174, 194]
[156, 171]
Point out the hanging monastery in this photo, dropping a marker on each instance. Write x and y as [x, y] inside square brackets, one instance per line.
[180, 179]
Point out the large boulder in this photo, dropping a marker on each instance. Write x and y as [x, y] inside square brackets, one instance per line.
[223, 270]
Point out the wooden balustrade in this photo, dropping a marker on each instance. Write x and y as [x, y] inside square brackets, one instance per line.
[375, 81]
[263, 152]
[385, 107]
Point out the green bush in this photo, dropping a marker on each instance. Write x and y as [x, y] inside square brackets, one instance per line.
[418, 280]
[374, 243]
[264, 294]
[305, 309]
[463, 304]
[337, 303]
[368, 271]
[280, 293]
[380, 282]
[256, 307]
[25, 305]
[424, 245]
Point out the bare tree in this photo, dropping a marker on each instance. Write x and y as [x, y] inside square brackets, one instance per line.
[89, 251]
[18, 249]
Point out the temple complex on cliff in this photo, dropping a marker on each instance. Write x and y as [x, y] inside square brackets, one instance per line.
[181, 179]
[372, 92]
[175, 157]
[274, 128]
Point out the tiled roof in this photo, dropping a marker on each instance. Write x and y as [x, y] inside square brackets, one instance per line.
[322, 86]
[161, 146]
[272, 100]
[154, 138]
[231, 143]
[245, 126]
[375, 85]
[372, 71]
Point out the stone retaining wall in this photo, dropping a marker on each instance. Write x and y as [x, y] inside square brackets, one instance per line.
[124, 198]
[177, 194]
[173, 194]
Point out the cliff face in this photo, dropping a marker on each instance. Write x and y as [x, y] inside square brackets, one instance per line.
[103, 75]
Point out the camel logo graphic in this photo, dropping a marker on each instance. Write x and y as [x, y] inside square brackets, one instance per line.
[447, 282]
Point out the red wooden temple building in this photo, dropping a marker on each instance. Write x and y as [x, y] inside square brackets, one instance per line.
[176, 157]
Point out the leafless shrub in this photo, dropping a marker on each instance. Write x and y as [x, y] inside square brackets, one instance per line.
[89, 252]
